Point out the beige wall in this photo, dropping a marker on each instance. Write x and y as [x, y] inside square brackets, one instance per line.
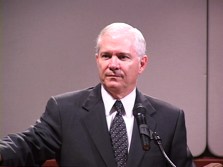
[48, 48]
[215, 93]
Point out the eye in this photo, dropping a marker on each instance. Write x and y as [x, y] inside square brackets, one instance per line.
[123, 56]
[106, 55]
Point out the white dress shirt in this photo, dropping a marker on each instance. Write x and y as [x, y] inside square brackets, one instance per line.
[128, 103]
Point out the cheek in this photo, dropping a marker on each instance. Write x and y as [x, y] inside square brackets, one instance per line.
[134, 68]
[101, 67]
[134, 71]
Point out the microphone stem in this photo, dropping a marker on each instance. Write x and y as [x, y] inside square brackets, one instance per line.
[159, 143]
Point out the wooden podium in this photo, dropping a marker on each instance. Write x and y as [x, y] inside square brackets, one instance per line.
[200, 162]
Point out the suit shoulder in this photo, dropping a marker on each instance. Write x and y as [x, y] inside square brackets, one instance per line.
[159, 104]
[72, 95]
[165, 112]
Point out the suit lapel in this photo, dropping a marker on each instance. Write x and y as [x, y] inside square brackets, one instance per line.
[136, 152]
[96, 126]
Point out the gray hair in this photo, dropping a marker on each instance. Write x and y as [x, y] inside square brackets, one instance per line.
[139, 44]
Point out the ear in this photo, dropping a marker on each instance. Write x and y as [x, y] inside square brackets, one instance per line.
[96, 57]
[143, 63]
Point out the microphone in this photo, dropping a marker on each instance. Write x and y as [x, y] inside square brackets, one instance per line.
[139, 113]
[146, 134]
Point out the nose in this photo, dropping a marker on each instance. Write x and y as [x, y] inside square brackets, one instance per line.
[114, 63]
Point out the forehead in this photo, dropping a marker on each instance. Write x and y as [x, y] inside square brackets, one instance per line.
[121, 42]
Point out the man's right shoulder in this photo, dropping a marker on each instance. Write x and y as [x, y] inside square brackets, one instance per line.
[74, 94]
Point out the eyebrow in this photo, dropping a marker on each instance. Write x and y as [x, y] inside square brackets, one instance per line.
[116, 53]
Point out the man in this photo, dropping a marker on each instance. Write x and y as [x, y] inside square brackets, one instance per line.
[77, 128]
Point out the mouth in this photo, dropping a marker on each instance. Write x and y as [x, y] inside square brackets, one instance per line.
[113, 75]
[116, 74]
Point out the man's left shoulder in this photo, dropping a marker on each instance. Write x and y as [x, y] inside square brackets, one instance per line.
[161, 105]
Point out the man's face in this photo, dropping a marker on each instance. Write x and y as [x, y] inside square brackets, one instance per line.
[118, 64]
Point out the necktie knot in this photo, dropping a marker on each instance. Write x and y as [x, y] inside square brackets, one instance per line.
[119, 107]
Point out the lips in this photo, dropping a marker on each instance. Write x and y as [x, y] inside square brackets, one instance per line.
[116, 73]
[113, 76]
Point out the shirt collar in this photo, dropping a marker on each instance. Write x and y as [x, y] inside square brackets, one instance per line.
[128, 102]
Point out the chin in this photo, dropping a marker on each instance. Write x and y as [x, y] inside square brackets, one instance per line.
[112, 86]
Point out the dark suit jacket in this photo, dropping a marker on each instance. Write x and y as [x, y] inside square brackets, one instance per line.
[73, 130]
